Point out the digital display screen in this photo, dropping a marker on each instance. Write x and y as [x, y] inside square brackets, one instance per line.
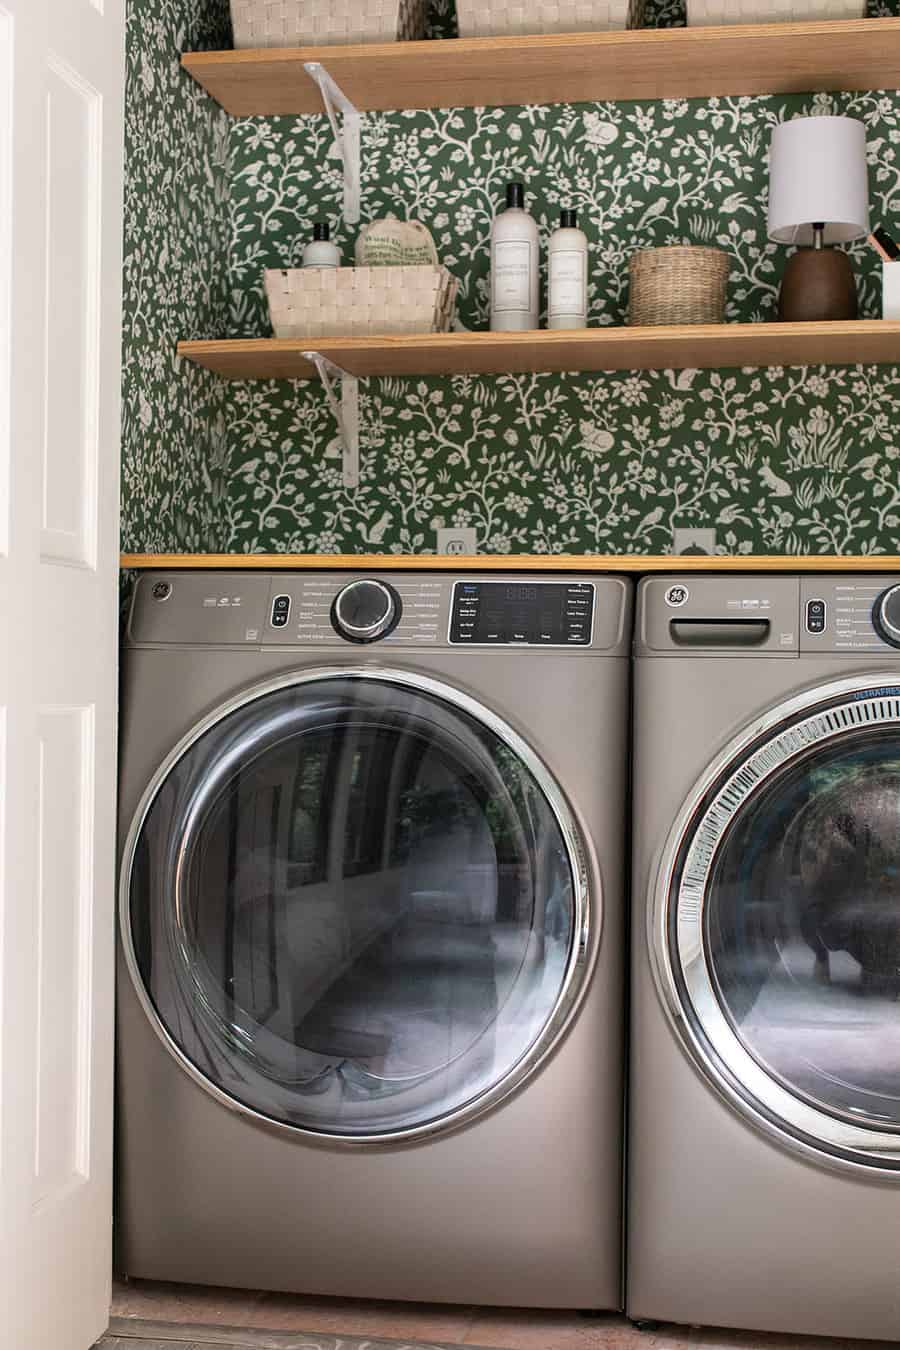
[555, 614]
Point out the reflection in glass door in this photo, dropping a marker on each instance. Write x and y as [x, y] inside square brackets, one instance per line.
[783, 928]
[354, 906]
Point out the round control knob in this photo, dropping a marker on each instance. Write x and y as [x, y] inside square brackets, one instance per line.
[886, 615]
[365, 611]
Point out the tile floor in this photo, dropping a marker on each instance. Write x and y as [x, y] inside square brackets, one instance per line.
[510, 1329]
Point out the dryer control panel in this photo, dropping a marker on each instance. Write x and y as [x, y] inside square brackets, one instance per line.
[356, 613]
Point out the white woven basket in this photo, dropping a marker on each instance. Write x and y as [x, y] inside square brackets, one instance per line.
[713, 13]
[322, 23]
[308, 302]
[500, 18]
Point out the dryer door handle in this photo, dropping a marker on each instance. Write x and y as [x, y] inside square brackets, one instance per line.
[719, 632]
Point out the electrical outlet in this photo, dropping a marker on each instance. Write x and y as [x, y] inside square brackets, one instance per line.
[460, 541]
[694, 541]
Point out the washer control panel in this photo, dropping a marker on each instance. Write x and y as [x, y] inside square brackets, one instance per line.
[850, 614]
[538, 613]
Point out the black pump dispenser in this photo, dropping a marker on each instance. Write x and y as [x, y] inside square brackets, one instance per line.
[321, 230]
[515, 195]
[568, 220]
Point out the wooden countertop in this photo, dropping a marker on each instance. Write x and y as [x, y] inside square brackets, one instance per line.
[515, 562]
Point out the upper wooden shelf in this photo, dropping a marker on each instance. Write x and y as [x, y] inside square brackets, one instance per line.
[870, 341]
[514, 562]
[780, 58]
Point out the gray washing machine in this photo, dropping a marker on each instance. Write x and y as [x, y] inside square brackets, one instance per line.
[764, 1136]
[371, 938]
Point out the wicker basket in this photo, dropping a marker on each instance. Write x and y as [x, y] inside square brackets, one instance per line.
[323, 23]
[716, 12]
[679, 284]
[500, 18]
[359, 301]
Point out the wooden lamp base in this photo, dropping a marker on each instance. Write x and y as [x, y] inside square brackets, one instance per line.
[818, 284]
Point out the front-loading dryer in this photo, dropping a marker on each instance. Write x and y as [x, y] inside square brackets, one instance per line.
[371, 934]
[764, 1120]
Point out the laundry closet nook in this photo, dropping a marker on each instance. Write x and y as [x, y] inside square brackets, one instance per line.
[450, 721]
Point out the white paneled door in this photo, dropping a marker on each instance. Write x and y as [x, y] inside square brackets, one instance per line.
[61, 128]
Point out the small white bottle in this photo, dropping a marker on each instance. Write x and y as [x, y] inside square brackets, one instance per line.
[567, 274]
[515, 266]
[320, 251]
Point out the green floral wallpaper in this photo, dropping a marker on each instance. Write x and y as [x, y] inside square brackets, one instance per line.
[176, 280]
[794, 460]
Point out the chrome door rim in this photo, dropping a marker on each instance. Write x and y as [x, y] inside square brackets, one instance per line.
[815, 717]
[586, 923]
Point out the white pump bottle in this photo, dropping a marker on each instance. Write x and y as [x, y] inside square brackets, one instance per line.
[567, 274]
[515, 266]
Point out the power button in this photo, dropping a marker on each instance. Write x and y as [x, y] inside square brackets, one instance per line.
[815, 616]
[281, 608]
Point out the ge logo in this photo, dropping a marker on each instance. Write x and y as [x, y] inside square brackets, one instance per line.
[161, 590]
[677, 595]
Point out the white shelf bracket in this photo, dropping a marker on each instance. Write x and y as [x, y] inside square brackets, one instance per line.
[346, 138]
[346, 413]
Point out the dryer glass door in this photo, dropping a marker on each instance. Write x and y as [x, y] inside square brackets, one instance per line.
[784, 927]
[356, 906]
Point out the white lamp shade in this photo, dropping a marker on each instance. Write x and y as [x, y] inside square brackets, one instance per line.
[817, 173]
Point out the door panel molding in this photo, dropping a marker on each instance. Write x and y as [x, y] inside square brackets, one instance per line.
[71, 316]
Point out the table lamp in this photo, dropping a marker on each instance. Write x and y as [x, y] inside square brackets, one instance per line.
[818, 196]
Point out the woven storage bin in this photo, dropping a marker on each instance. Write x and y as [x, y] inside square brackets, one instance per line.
[322, 23]
[715, 12]
[679, 284]
[500, 18]
[308, 302]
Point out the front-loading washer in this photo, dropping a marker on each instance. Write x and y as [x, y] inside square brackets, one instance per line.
[371, 934]
[764, 1118]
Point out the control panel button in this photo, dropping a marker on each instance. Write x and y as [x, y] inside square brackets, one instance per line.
[366, 610]
[281, 609]
[886, 615]
[815, 616]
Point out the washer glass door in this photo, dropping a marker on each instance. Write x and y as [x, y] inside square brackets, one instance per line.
[356, 906]
[783, 927]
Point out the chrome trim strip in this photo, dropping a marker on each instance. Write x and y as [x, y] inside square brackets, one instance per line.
[703, 1027]
[586, 923]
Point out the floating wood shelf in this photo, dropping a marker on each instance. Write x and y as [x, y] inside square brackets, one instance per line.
[780, 58]
[870, 341]
[521, 562]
